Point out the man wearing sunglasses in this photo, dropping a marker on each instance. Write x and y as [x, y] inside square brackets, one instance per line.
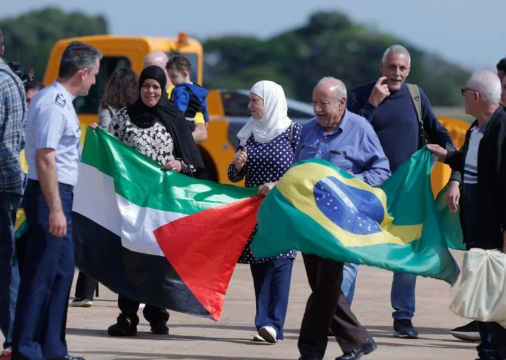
[469, 331]
[482, 161]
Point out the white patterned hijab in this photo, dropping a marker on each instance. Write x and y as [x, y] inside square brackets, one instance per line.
[275, 119]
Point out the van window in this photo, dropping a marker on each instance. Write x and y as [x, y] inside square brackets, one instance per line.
[89, 104]
[235, 103]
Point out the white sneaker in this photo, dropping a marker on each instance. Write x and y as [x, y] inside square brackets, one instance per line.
[81, 303]
[258, 338]
[269, 334]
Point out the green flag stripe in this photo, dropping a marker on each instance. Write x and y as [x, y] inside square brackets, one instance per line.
[142, 181]
[21, 229]
[415, 258]
[310, 228]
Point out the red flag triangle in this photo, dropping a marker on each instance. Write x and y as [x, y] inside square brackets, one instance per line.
[204, 247]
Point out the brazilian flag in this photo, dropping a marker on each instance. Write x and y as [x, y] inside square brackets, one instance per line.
[319, 209]
[450, 221]
[21, 226]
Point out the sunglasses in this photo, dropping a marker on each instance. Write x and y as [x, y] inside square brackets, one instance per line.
[464, 89]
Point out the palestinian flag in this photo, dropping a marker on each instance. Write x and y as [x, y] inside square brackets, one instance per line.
[156, 236]
[320, 209]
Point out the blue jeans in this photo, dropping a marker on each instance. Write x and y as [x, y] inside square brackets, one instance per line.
[272, 288]
[349, 278]
[9, 272]
[41, 312]
[402, 295]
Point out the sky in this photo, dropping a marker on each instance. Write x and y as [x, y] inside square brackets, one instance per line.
[468, 32]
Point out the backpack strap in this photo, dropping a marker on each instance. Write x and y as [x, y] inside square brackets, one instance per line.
[414, 92]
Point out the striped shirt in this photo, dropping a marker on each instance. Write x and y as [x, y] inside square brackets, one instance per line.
[12, 130]
[470, 185]
[471, 161]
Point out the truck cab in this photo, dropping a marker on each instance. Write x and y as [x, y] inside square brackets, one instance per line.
[129, 51]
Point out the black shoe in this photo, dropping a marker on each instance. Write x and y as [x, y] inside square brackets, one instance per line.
[160, 328]
[467, 332]
[405, 329]
[366, 348]
[124, 327]
[331, 333]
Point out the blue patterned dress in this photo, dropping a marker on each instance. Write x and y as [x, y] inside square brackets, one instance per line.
[266, 163]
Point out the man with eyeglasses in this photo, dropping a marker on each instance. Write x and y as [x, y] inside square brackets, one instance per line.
[469, 331]
[482, 160]
[402, 116]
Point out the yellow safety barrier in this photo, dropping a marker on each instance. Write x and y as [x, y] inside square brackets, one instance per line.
[441, 173]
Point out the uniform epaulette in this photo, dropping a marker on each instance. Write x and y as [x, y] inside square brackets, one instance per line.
[60, 100]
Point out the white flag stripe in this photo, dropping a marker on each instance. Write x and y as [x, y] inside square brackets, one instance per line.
[95, 198]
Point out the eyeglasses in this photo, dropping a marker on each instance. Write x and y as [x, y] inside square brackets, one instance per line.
[464, 89]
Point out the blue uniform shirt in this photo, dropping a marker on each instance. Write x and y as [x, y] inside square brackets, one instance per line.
[352, 146]
[52, 123]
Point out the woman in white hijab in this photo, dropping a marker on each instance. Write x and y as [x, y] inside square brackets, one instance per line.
[266, 146]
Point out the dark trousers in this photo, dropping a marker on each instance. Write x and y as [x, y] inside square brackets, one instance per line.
[326, 308]
[493, 341]
[85, 287]
[272, 288]
[41, 313]
[21, 251]
[153, 314]
[9, 272]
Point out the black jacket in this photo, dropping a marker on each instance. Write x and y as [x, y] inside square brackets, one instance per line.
[491, 199]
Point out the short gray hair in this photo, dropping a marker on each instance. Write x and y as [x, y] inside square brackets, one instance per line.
[487, 84]
[396, 49]
[338, 86]
[78, 56]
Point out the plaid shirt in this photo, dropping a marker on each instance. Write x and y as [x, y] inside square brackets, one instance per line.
[12, 130]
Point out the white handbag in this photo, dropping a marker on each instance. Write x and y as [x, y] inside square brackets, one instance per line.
[482, 292]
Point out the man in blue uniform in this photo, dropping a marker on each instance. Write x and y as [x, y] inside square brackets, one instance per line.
[52, 152]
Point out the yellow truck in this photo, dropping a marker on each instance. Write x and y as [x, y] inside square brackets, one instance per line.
[218, 150]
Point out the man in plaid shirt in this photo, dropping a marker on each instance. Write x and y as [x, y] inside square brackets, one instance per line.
[12, 128]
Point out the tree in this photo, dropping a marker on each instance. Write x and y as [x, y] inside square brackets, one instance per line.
[30, 37]
[330, 44]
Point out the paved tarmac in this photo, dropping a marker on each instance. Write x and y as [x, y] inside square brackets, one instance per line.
[193, 338]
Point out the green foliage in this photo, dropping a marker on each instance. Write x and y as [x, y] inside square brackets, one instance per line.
[330, 44]
[30, 37]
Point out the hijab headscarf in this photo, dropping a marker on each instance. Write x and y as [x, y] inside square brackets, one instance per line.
[275, 119]
[169, 116]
